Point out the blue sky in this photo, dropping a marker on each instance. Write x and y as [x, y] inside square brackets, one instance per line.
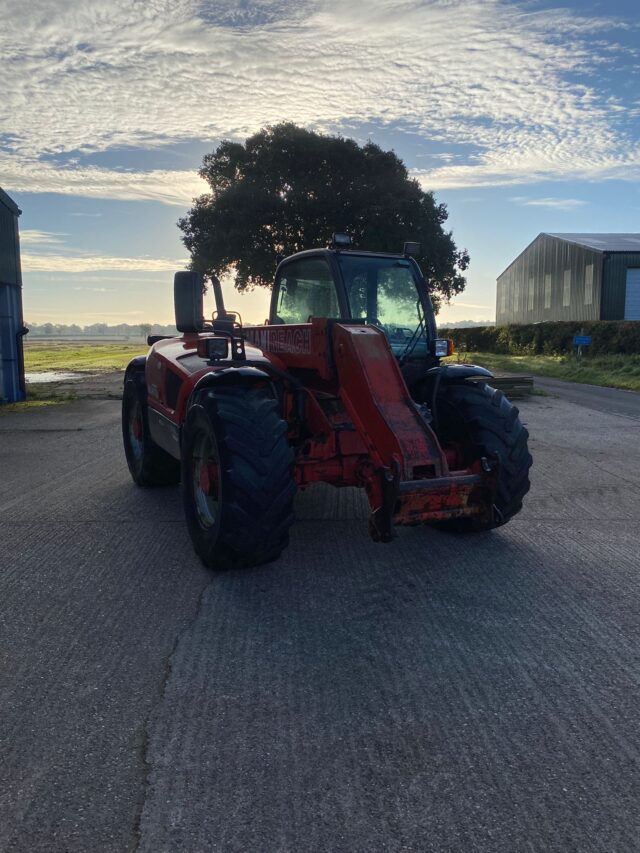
[521, 116]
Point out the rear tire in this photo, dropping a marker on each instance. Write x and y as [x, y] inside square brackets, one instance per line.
[149, 464]
[484, 423]
[237, 477]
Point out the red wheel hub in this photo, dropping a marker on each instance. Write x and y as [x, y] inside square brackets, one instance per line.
[209, 477]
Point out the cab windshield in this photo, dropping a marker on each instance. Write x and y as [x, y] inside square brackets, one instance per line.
[383, 292]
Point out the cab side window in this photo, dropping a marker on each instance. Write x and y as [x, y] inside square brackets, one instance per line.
[305, 289]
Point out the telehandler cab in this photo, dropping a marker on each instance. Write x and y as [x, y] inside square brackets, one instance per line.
[343, 385]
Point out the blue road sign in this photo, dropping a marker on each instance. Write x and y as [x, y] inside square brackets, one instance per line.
[582, 340]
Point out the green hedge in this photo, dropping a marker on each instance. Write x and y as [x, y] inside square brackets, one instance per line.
[609, 337]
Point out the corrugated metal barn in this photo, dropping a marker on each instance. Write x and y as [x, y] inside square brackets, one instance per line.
[11, 324]
[572, 277]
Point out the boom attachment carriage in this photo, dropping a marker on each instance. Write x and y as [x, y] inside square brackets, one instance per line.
[361, 427]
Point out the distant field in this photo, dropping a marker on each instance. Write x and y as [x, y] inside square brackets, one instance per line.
[612, 371]
[83, 357]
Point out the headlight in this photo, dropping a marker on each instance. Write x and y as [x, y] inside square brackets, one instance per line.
[213, 349]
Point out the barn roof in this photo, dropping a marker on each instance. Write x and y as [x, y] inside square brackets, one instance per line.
[603, 242]
[9, 202]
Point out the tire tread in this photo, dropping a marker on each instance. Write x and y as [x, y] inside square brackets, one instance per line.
[257, 463]
[158, 467]
[495, 427]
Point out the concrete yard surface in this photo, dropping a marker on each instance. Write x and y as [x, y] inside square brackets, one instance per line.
[596, 397]
[439, 693]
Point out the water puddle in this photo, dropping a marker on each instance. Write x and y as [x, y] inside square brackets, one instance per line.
[51, 376]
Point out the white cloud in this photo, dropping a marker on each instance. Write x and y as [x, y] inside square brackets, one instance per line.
[62, 316]
[515, 88]
[456, 304]
[33, 237]
[567, 204]
[74, 264]
[28, 174]
[49, 253]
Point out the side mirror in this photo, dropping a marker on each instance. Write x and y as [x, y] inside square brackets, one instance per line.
[411, 249]
[187, 300]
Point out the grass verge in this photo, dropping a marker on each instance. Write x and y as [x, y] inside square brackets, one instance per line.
[38, 397]
[31, 405]
[609, 371]
[85, 358]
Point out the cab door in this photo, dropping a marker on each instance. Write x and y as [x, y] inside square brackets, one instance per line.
[304, 288]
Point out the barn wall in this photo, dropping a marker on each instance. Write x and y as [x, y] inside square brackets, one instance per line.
[532, 289]
[9, 263]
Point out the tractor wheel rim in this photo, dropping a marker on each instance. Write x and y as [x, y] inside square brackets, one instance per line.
[206, 480]
[136, 430]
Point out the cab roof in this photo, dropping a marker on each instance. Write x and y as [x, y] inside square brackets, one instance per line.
[305, 253]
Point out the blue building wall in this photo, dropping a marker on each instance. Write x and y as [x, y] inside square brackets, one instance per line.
[615, 278]
[12, 386]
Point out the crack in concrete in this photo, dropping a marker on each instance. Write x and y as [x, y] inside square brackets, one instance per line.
[136, 839]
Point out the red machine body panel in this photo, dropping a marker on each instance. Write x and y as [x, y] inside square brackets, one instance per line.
[176, 364]
[376, 397]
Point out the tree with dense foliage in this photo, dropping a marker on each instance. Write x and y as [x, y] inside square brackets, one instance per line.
[288, 189]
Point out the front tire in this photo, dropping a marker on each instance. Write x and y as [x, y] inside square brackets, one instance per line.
[237, 477]
[482, 422]
[149, 464]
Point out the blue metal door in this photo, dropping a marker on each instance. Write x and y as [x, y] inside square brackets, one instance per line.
[632, 298]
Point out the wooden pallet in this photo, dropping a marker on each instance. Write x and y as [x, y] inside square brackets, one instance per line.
[512, 384]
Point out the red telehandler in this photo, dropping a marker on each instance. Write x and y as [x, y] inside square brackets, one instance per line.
[343, 385]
